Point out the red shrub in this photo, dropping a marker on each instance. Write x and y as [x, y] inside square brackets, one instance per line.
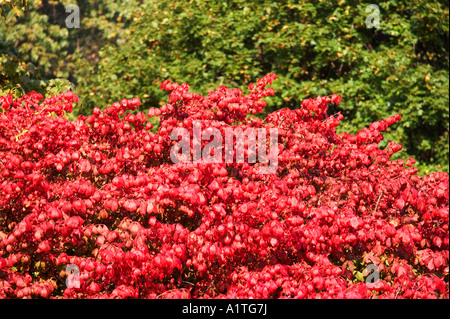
[100, 195]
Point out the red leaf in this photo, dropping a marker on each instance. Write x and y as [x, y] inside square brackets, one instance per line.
[430, 264]
[437, 241]
[438, 261]
[400, 203]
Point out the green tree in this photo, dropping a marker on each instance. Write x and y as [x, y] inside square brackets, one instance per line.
[18, 77]
[17, 6]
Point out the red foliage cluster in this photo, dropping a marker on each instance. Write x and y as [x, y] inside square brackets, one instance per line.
[102, 195]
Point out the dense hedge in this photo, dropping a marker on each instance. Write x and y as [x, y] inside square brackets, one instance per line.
[101, 195]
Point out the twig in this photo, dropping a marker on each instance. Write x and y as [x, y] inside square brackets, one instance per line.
[378, 201]
[188, 282]
[398, 291]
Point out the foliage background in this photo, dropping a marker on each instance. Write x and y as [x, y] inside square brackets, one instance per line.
[126, 48]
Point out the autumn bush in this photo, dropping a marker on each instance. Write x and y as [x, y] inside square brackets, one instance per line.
[101, 194]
